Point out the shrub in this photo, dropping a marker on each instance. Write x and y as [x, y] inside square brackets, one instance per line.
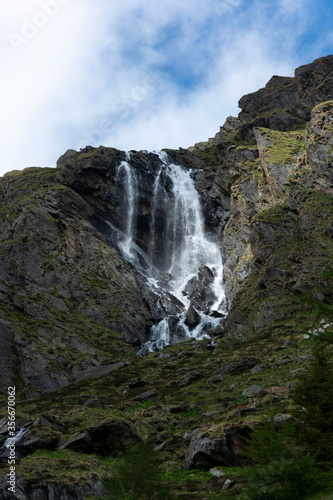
[281, 470]
[136, 476]
[313, 396]
[286, 479]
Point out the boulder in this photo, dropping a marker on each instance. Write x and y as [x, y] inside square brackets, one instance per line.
[107, 439]
[237, 366]
[225, 449]
[199, 290]
[80, 443]
[192, 318]
[254, 390]
[92, 403]
[145, 396]
[54, 491]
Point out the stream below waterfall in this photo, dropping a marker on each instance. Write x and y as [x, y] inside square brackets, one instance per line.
[181, 262]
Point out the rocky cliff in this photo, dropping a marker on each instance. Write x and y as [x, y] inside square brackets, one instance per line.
[73, 310]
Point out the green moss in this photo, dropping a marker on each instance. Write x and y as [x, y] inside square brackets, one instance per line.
[286, 146]
[65, 467]
[100, 152]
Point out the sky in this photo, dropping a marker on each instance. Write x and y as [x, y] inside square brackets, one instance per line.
[141, 74]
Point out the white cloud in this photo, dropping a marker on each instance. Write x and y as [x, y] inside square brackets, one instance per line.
[136, 74]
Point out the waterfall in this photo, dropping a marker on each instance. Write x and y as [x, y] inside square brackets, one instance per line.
[155, 201]
[5, 447]
[126, 245]
[182, 264]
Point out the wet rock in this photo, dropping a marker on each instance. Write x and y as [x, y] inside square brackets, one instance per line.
[199, 290]
[216, 332]
[192, 318]
[211, 345]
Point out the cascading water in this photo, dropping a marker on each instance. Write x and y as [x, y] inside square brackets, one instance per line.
[132, 190]
[181, 260]
[5, 448]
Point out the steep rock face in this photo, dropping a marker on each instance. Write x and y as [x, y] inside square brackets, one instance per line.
[258, 163]
[69, 299]
[319, 151]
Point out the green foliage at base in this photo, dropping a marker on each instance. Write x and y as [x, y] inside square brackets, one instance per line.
[283, 471]
[292, 479]
[136, 476]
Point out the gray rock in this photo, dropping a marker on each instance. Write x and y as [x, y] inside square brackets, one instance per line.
[107, 439]
[92, 403]
[100, 371]
[228, 484]
[254, 390]
[24, 491]
[216, 472]
[192, 318]
[79, 443]
[145, 396]
[216, 378]
[306, 357]
[256, 369]
[44, 422]
[205, 452]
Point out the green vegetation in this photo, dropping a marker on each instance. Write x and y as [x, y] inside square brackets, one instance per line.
[282, 471]
[136, 476]
[286, 146]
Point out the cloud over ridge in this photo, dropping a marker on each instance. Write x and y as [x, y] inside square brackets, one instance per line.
[140, 74]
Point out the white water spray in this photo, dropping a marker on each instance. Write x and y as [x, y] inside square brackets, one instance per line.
[126, 246]
[185, 250]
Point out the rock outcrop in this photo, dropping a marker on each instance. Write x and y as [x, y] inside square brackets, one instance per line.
[271, 168]
[225, 449]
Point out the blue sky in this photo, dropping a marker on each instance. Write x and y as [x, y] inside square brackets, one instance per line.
[141, 74]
